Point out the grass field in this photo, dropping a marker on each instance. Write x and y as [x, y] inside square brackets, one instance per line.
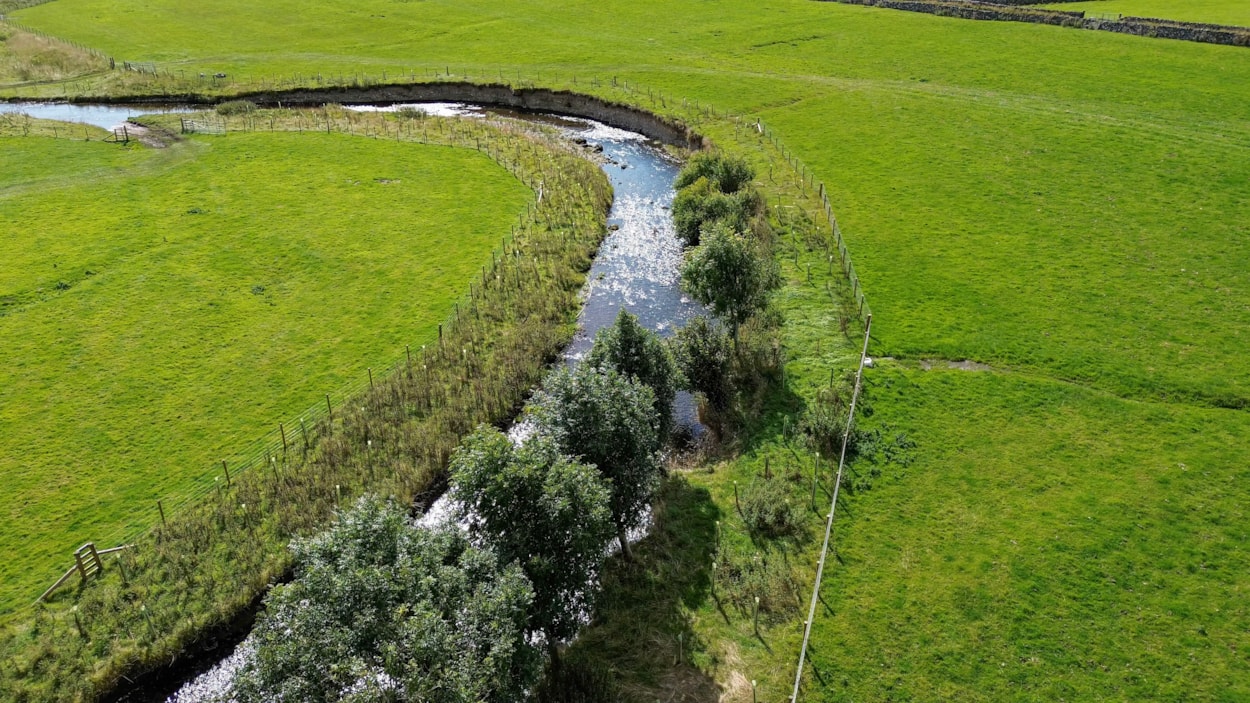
[26, 58]
[1211, 11]
[1068, 207]
[163, 308]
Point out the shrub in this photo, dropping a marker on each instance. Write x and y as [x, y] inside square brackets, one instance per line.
[728, 174]
[767, 510]
[729, 274]
[742, 577]
[700, 205]
[608, 420]
[231, 108]
[638, 353]
[542, 511]
[408, 112]
[704, 354]
[384, 610]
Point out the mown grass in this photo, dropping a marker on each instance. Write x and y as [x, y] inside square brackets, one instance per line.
[163, 308]
[1210, 11]
[1021, 195]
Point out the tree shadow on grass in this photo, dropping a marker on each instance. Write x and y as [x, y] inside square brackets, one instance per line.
[642, 632]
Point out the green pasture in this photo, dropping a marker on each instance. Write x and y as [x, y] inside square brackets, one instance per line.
[1069, 207]
[162, 309]
[1049, 542]
[1210, 11]
[1026, 195]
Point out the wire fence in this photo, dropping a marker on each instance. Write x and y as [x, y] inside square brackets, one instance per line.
[299, 432]
[833, 508]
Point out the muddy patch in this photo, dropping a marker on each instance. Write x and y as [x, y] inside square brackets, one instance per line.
[962, 365]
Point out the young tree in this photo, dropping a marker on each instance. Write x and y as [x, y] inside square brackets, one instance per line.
[699, 205]
[542, 510]
[728, 173]
[639, 354]
[383, 610]
[729, 274]
[605, 419]
[703, 354]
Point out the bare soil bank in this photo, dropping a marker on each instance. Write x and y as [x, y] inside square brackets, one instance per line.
[560, 102]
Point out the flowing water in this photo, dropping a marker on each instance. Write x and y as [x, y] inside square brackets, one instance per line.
[103, 116]
[637, 268]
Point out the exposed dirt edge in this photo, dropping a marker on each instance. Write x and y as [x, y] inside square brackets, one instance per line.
[562, 102]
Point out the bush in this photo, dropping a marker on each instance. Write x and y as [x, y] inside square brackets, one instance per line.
[742, 577]
[700, 205]
[384, 610]
[704, 355]
[232, 108]
[408, 112]
[731, 275]
[727, 174]
[767, 510]
[824, 421]
[608, 420]
[638, 353]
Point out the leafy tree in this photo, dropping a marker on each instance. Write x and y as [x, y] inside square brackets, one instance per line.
[639, 354]
[703, 354]
[729, 274]
[727, 173]
[699, 205]
[605, 419]
[383, 610]
[542, 510]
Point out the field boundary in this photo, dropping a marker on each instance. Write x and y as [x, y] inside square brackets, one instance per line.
[299, 434]
[671, 121]
[1227, 35]
[833, 507]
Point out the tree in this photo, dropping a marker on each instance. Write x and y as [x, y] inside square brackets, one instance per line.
[605, 419]
[703, 355]
[639, 354]
[729, 274]
[729, 174]
[700, 205]
[381, 609]
[541, 510]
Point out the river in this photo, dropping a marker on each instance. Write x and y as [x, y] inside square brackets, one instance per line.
[637, 268]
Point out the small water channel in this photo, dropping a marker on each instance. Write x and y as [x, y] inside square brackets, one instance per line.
[637, 268]
[103, 116]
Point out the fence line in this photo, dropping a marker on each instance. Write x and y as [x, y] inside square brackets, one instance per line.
[302, 433]
[833, 507]
[262, 450]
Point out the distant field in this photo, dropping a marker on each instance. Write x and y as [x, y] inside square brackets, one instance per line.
[161, 309]
[1213, 11]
